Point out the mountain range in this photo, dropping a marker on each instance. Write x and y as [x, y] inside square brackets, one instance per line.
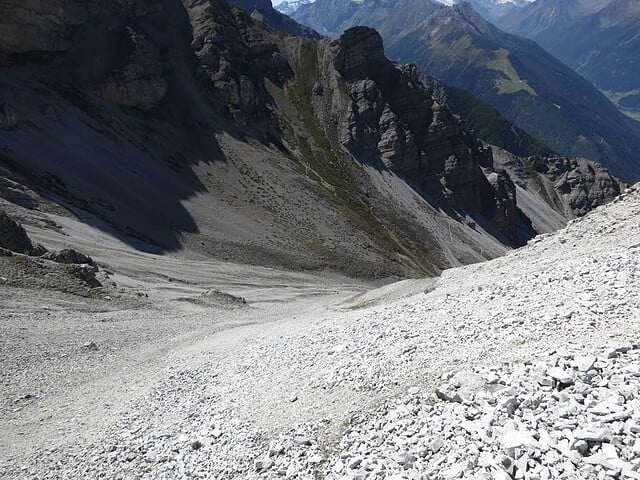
[597, 38]
[529, 86]
[193, 126]
[535, 18]
[492, 9]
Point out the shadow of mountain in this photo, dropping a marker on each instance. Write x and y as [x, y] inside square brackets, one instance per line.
[111, 165]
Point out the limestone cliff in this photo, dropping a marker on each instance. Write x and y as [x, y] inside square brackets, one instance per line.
[395, 122]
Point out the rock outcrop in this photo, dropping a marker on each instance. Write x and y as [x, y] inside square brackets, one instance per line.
[140, 81]
[8, 117]
[584, 185]
[112, 49]
[13, 236]
[42, 26]
[69, 256]
[235, 62]
[394, 121]
[570, 185]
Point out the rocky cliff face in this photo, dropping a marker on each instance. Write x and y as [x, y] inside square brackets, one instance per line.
[582, 185]
[395, 122]
[571, 186]
[13, 237]
[116, 50]
[40, 25]
[235, 140]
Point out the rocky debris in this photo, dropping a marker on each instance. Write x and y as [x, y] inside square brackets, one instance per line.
[508, 425]
[36, 274]
[13, 236]
[69, 256]
[90, 347]
[85, 272]
[567, 413]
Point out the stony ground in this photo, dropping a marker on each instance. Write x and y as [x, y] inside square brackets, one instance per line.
[532, 356]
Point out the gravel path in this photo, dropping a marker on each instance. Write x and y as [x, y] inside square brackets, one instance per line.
[309, 394]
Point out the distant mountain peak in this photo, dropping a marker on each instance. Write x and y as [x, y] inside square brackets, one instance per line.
[290, 6]
[491, 9]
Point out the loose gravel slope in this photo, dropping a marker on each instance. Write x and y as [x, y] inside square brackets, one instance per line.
[310, 396]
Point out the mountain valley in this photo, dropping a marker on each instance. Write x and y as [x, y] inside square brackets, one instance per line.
[234, 248]
[597, 39]
[254, 146]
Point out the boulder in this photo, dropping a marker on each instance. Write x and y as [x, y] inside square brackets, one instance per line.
[85, 272]
[69, 256]
[13, 236]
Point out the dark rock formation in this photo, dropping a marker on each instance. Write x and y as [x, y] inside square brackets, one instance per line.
[234, 62]
[140, 81]
[572, 186]
[393, 120]
[8, 117]
[39, 25]
[109, 46]
[69, 256]
[583, 184]
[85, 272]
[13, 236]
[360, 51]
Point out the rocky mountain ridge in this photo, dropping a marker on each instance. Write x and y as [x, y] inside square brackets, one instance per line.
[542, 16]
[527, 85]
[238, 141]
[493, 10]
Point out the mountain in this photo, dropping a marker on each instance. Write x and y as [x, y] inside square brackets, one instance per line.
[536, 18]
[191, 127]
[603, 46]
[262, 10]
[530, 87]
[486, 121]
[493, 10]
[289, 7]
